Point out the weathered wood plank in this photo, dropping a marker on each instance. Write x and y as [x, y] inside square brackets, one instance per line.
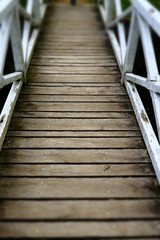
[65, 170]
[81, 210]
[72, 84]
[82, 229]
[74, 69]
[41, 53]
[73, 124]
[73, 115]
[78, 32]
[53, 78]
[100, 143]
[74, 59]
[44, 188]
[78, 107]
[72, 47]
[72, 50]
[74, 90]
[75, 44]
[61, 98]
[74, 156]
[72, 62]
[74, 38]
[22, 133]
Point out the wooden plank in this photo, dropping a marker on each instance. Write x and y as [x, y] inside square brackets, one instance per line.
[71, 43]
[65, 170]
[65, 133]
[72, 53]
[82, 229]
[61, 98]
[73, 124]
[81, 210]
[78, 107]
[71, 143]
[69, 53]
[74, 38]
[74, 156]
[74, 69]
[82, 59]
[72, 78]
[73, 115]
[65, 47]
[72, 84]
[71, 63]
[79, 23]
[67, 32]
[79, 188]
[74, 90]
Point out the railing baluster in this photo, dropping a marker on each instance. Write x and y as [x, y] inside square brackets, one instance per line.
[121, 30]
[131, 46]
[36, 10]
[26, 30]
[17, 43]
[109, 10]
[4, 39]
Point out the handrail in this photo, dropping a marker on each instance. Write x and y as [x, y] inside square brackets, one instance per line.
[21, 27]
[6, 7]
[143, 18]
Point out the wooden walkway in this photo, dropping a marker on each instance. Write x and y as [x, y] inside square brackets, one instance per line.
[74, 163]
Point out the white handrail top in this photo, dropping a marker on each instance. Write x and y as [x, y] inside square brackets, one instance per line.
[6, 7]
[149, 13]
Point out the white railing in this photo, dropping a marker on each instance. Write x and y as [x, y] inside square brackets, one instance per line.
[143, 18]
[20, 26]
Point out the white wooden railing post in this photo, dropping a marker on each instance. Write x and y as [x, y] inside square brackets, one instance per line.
[26, 33]
[109, 6]
[121, 30]
[36, 10]
[16, 43]
[131, 46]
[4, 39]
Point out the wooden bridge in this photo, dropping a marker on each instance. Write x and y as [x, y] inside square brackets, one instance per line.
[74, 163]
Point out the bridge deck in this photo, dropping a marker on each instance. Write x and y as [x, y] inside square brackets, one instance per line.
[74, 163]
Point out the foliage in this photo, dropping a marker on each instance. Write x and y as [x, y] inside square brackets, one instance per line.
[23, 2]
[156, 3]
[126, 3]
